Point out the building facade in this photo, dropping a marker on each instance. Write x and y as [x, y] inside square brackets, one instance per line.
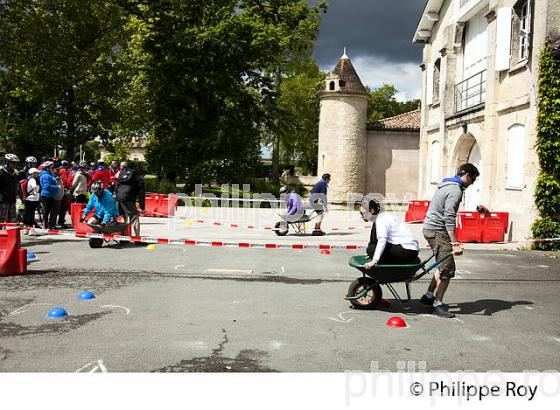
[479, 96]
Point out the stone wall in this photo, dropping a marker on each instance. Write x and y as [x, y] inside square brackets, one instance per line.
[392, 163]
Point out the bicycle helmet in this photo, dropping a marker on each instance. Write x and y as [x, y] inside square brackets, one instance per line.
[97, 186]
[284, 190]
[11, 158]
[31, 160]
[64, 163]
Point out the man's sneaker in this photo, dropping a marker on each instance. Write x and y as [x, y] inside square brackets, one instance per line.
[442, 311]
[318, 233]
[426, 300]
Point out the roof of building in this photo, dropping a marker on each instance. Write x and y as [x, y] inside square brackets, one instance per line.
[345, 71]
[428, 19]
[409, 121]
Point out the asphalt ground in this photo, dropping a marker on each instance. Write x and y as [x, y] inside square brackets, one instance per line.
[201, 309]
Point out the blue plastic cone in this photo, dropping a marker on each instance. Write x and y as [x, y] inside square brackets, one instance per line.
[86, 295]
[57, 313]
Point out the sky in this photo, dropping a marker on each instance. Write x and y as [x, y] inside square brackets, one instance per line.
[377, 35]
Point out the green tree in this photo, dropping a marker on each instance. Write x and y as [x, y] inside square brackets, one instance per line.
[214, 82]
[64, 78]
[298, 108]
[383, 103]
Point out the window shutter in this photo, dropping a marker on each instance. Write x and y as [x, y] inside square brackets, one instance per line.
[429, 84]
[503, 38]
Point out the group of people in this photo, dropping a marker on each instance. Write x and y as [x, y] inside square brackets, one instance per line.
[392, 242]
[51, 187]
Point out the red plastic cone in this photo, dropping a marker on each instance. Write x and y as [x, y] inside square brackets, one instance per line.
[325, 252]
[396, 321]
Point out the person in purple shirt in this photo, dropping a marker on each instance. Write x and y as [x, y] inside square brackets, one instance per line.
[294, 204]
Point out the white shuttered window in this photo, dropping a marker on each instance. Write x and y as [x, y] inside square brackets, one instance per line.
[503, 38]
[516, 156]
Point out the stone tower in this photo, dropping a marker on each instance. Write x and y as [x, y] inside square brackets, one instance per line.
[342, 131]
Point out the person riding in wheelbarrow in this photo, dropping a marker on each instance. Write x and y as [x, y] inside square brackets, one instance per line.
[102, 201]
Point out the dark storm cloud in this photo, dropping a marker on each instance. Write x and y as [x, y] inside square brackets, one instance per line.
[381, 28]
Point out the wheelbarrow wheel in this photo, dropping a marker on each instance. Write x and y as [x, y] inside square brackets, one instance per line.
[369, 300]
[95, 243]
[281, 228]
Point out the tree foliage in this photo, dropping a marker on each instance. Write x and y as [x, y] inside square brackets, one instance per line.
[383, 104]
[64, 77]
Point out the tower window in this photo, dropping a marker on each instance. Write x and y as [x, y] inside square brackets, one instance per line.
[341, 83]
[331, 86]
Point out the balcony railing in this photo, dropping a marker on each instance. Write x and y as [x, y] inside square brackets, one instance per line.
[470, 92]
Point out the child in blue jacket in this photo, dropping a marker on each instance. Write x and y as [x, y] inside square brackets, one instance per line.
[105, 206]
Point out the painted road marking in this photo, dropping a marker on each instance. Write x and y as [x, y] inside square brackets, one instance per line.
[127, 310]
[95, 366]
[341, 318]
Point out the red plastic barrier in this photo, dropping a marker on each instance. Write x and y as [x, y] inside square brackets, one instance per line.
[468, 228]
[493, 229]
[81, 228]
[161, 205]
[482, 227]
[416, 211]
[13, 259]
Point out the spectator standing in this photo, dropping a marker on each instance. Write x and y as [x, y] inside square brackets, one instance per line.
[32, 198]
[129, 189]
[49, 193]
[80, 185]
[102, 174]
[8, 189]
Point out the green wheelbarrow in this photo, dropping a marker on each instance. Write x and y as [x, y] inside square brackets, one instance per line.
[366, 293]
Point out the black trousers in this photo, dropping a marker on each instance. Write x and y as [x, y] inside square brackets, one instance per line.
[29, 213]
[50, 212]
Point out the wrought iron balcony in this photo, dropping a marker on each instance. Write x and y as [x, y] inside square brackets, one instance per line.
[470, 92]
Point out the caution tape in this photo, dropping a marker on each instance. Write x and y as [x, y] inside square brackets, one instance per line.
[266, 228]
[192, 242]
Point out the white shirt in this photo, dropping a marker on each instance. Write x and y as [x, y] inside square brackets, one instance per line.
[32, 190]
[388, 229]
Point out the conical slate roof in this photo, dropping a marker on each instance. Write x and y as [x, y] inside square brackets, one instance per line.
[345, 72]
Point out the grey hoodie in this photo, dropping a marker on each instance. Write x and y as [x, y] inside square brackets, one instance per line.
[444, 206]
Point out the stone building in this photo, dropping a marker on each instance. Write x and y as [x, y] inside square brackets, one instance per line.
[479, 90]
[377, 158]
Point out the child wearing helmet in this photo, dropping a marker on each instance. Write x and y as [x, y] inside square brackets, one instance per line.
[104, 205]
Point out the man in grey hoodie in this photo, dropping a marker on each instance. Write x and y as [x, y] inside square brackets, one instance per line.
[439, 231]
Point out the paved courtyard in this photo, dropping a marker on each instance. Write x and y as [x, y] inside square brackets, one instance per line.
[194, 309]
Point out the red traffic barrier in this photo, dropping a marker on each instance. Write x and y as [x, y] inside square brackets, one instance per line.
[396, 321]
[468, 228]
[325, 252]
[484, 227]
[80, 227]
[161, 205]
[416, 211]
[13, 259]
[493, 229]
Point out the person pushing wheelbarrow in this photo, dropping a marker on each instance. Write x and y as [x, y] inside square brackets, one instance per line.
[439, 231]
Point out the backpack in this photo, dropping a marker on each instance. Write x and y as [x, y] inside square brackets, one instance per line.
[23, 188]
[125, 176]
